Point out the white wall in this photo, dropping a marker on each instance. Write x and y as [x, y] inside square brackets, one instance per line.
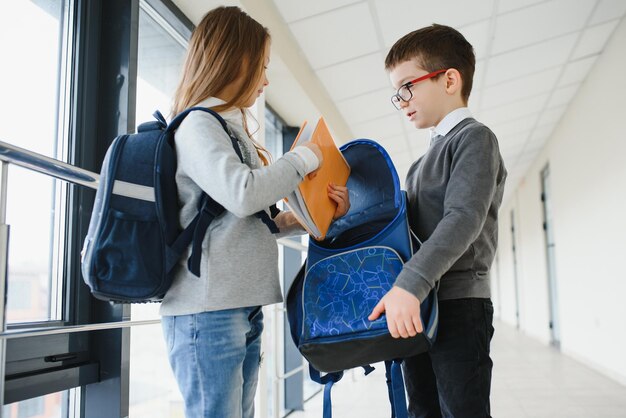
[586, 154]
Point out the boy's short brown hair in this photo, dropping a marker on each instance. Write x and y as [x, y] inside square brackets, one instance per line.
[436, 47]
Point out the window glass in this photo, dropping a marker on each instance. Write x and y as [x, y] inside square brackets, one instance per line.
[48, 406]
[153, 389]
[273, 134]
[33, 42]
[160, 58]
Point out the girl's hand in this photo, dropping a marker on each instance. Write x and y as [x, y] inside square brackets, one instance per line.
[341, 196]
[318, 153]
[316, 150]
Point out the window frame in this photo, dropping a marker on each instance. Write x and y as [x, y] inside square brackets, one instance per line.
[100, 104]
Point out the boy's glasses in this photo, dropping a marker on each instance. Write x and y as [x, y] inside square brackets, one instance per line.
[404, 93]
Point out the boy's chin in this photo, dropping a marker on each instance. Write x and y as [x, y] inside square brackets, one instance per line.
[420, 124]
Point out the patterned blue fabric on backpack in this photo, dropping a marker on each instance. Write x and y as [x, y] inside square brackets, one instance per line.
[134, 238]
[347, 274]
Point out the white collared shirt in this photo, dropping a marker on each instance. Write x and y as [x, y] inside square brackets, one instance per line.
[450, 121]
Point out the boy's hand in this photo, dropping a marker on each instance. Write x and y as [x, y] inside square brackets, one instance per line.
[403, 313]
[340, 195]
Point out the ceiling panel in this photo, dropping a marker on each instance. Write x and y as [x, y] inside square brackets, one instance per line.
[515, 141]
[352, 78]
[577, 70]
[540, 22]
[521, 88]
[562, 95]
[381, 128]
[505, 6]
[509, 155]
[535, 58]
[608, 10]
[505, 113]
[551, 116]
[520, 126]
[594, 39]
[296, 10]
[541, 133]
[403, 16]
[367, 106]
[477, 34]
[331, 38]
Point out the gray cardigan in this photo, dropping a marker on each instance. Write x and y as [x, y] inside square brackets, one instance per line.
[454, 192]
[239, 264]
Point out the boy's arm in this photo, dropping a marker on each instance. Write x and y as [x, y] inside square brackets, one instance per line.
[473, 181]
[470, 190]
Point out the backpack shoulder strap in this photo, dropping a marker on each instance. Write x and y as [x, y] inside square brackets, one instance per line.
[328, 380]
[175, 123]
[395, 387]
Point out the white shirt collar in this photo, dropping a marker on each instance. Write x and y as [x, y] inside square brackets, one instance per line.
[450, 121]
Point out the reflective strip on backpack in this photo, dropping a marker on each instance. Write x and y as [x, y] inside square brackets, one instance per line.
[136, 191]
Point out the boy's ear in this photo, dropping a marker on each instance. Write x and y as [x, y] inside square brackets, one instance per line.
[454, 82]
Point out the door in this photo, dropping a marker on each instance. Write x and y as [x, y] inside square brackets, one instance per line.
[546, 199]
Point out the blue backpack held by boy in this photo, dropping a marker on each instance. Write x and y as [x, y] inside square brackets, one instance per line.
[134, 238]
[347, 274]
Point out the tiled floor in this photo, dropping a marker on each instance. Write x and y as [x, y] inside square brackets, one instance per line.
[529, 380]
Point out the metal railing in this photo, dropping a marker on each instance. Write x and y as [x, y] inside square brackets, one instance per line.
[11, 154]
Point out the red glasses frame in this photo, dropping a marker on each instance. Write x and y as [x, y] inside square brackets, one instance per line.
[396, 98]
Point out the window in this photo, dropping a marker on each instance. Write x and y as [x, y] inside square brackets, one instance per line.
[48, 406]
[31, 408]
[161, 51]
[35, 208]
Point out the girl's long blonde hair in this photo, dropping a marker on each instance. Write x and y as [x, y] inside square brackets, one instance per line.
[227, 46]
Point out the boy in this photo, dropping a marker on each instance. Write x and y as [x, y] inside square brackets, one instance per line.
[454, 193]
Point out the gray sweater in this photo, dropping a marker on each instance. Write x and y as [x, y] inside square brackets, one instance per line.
[454, 192]
[239, 264]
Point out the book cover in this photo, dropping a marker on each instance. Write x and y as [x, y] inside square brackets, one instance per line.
[310, 202]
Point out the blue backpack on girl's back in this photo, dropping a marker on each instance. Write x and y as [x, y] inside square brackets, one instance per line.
[347, 274]
[134, 238]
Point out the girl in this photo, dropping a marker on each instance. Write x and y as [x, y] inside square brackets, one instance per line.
[212, 324]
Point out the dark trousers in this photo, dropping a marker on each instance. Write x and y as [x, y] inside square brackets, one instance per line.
[453, 379]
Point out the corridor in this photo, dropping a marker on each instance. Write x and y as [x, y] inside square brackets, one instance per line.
[530, 380]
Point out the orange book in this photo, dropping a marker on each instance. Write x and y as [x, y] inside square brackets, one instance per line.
[310, 203]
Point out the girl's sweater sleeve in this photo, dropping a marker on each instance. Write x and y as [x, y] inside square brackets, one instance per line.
[206, 155]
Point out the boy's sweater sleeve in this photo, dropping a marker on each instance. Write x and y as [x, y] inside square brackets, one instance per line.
[209, 159]
[469, 194]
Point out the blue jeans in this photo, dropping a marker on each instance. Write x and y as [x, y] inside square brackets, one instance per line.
[453, 379]
[215, 357]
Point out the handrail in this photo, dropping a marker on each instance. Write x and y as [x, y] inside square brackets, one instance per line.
[68, 329]
[46, 165]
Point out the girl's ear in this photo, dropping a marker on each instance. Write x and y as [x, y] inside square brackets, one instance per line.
[454, 81]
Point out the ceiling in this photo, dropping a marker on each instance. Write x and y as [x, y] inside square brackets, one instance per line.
[532, 57]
